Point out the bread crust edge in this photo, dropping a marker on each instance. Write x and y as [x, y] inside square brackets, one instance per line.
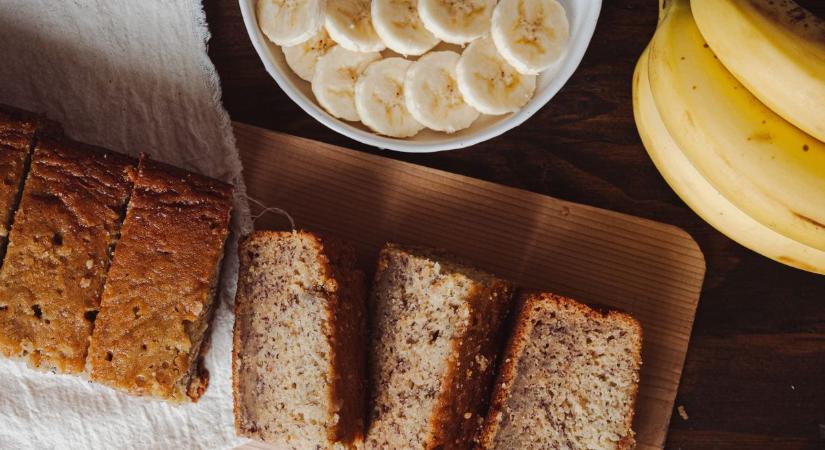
[522, 329]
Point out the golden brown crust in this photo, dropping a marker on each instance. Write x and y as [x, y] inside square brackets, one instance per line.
[506, 372]
[161, 287]
[629, 441]
[347, 311]
[242, 304]
[236, 345]
[466, 389]
[529, 304]
[345, 296]
[12, 174]
[16, 123]
[18, 132]
[236, 333]
[17, 129]
[58, 253]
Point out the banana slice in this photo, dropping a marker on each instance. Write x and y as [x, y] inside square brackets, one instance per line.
[334, 80]
[379, 99]
[456, 21]
[302, 58]
[530, 34]
[349, 24]
[490, 84]
[399, 26]
[432, 96]
[290, 22]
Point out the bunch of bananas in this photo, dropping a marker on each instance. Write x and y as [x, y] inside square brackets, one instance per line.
[729, 99]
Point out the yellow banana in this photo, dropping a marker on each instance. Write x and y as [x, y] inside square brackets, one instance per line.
[700, 195]
[776, 49]
[762, 164]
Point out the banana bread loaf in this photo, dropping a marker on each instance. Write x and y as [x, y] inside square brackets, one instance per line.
[437, 328]
[569, 379]
[299, 357]
[58, 253]
[160, 291]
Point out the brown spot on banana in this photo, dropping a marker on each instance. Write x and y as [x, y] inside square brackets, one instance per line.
[761, 136]
[807, 219]
[790, 15]
[689, 119]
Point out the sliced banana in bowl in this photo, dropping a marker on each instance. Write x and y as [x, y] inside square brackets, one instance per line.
[531, 35]
[290, 22]
[302, 57]
[460, 71]
[379, 99]
[457, 21]
[349, 23]
[400, 27]
[432, 96]
[489, 83]
[334, 80]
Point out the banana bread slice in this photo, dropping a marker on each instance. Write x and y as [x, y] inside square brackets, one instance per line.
[299, 357]
[569, 379]
[437, 327]
[160, 291]
[58, 252]
[18, 132]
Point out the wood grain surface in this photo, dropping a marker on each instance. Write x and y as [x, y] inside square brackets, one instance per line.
[652, 270]
[755, 371]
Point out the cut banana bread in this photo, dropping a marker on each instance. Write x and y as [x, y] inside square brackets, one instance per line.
[299, 357]
[58, 252]
[569, 379]
[160, 291]
[18, 132]
[437, 329]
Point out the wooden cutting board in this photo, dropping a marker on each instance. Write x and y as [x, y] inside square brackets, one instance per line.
[652, 270]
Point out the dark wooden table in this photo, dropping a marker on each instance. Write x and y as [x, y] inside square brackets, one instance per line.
[755, 372]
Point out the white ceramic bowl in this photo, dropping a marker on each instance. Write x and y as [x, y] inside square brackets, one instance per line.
[582, 15]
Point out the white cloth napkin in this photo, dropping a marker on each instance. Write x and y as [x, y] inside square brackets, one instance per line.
[132, 76]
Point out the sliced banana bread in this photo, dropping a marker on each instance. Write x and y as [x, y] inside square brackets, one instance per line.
[161, 288]
[437, 330]
[18, 132]
[568, 381]
[58, 252]
[299, 357]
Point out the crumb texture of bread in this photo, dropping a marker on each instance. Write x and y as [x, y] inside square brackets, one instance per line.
[299, 357]
[437, 328]
[569, 379]
[58, 252]
[160, 291]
